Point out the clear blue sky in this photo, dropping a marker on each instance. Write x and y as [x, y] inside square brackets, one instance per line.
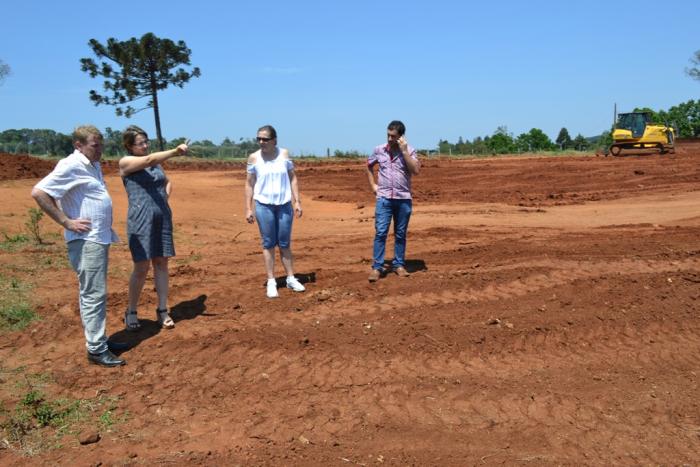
[333, 74]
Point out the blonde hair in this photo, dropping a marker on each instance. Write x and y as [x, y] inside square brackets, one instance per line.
[83, 132]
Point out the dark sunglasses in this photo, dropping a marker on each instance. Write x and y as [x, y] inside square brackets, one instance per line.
[260, 138]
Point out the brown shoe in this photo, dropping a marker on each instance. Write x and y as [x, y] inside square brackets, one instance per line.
[375, 275]
[401, 272]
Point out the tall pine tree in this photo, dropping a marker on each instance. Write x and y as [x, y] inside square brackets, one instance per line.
[564, 139]
[138, 69]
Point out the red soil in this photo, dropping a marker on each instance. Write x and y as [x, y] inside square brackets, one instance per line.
[551, 318]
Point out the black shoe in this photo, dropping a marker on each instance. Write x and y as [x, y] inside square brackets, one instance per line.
[105, 358]
[117, 346]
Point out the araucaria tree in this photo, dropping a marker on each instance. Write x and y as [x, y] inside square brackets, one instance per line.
[137, 69]
[4, 71]
[694, 72]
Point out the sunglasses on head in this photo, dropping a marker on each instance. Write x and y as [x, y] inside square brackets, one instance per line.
[260, 139]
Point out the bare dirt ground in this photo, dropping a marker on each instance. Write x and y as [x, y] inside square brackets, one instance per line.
[551, 318]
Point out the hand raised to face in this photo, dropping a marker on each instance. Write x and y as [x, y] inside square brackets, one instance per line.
[403, 144]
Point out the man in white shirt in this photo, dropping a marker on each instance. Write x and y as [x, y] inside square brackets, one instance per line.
[75, 196]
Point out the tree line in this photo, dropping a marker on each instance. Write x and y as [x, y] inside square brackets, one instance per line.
[504, 142]
[684, 117]
[53, 143]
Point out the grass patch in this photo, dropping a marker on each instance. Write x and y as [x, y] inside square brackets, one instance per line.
[193, 258]
[15, 310]
[13, 242]
[38, 422]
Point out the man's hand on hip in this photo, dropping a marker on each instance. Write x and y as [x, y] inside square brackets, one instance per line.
[78, 225]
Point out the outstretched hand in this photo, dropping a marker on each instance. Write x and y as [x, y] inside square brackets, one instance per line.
[181, 149]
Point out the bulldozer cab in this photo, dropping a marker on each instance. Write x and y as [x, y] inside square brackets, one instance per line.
[635, 122]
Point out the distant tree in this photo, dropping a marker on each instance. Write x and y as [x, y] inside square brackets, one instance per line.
[501, 142]
[113, 142]
[445, 147]
[580, 143]
[605, 139]
[534, 140]
[138, 69]
[248, 146]
[39, 141]
[4, 71]
[685, 117]
[462, 147]
[564, 140]
[479, 145]
[694, 72]
[540, 141]
[522, 143]
[173, 143]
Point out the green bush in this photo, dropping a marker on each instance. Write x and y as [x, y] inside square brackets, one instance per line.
[32, 224]
[15, 310]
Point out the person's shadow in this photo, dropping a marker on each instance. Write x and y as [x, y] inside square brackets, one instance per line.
[412, 265]
[183, 311]
[304, 278]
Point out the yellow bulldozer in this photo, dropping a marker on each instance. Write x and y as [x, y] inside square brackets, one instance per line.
[635, 133]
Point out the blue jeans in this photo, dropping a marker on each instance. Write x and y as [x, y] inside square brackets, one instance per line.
[385, 210]
[89, 261]
[275, 224]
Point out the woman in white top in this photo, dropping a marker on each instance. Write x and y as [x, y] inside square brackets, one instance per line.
[272, 183]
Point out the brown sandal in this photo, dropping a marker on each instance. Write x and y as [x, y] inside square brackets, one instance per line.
[164, 319]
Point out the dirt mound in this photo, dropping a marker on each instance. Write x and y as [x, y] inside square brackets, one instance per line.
[688, 146]
[521, 181]
[19, 166]
[22, 166]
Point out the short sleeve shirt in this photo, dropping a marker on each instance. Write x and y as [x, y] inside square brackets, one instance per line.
[79, 188]
[394, 178]
[272, 184]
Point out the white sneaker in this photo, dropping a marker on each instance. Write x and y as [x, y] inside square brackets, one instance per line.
[272, 289]
[294, 284]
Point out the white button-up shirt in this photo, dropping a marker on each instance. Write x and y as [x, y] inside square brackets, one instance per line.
[79, 188]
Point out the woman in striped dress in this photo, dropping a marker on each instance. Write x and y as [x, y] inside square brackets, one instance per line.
[149, 224]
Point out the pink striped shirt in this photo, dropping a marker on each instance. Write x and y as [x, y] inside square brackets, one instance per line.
[394, 178]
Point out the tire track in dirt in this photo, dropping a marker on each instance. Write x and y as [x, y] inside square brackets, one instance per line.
[563, 273]
[374, 391]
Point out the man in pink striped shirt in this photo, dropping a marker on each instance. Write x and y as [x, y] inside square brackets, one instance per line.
[397, 162]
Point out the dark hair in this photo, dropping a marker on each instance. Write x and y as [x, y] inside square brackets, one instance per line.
[270, 129]
[129, 137]
[398, 126]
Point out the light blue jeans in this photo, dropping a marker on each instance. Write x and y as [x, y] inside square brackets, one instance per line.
[89, 261]
[400, 211]
[275, 224]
